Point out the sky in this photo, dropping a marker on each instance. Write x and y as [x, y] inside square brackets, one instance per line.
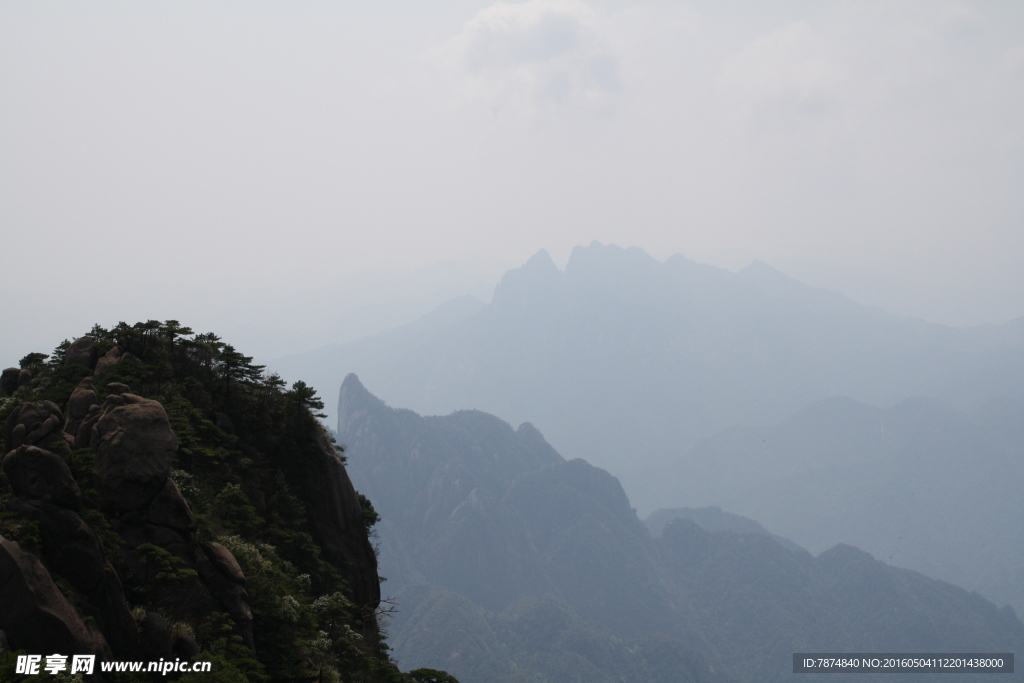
[267, 170]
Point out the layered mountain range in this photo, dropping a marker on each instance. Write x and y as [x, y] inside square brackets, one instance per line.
[826, 420]
[628, 362]
[920, 485]
[510, 563]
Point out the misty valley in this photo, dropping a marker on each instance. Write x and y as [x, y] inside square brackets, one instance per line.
[713, 470]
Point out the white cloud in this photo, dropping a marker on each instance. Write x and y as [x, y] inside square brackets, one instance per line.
[787, 67]
[535, 56]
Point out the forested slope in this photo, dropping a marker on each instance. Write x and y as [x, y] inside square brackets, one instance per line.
[162, 496]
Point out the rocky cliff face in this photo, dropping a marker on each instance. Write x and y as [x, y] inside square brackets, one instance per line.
[513, 565]
[101, 552]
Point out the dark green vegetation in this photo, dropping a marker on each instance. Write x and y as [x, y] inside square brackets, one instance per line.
[267, 570]
[512, 564]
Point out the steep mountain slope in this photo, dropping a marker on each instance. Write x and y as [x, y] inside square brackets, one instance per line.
[162, 498]
[477, 518]
[517, 565]
[626, 361]
[919, 485]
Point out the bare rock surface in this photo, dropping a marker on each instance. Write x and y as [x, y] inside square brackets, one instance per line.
[224, 561]
[109, 360]
[154, 637]
[82, 399]
[9, 380]
[230, 594]
[169, 508]
[81, 352]
[336, 519]
[37, 473]
[184, 647]
[71, 550]
[135, 446]
[118, 388]
[34, 614]
[36, 424]
[83, 437]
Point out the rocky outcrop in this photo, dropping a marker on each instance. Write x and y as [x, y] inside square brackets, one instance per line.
[169, 508]
[12, 378]
[83, 437]
[220, 570]
[36, 424]
[336, 520]
[224, 561]
[134, 446]
[82, 400]
[36, 473]
[9, 380]
[184, 647]
[154, 638]
[59, 590]
[70, 549]
[82, 352]
[118, 388]
[35, 616]
[109, 360]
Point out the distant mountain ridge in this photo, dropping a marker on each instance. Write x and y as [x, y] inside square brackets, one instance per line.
[920, 485]
[512, 564]
[627, 361]
[713, 518]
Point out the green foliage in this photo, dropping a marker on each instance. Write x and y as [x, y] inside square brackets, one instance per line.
[238, 430]
[32, 360]
[431, 676]
[8, 665]
[24, 532]
[305, 399]
[164, 565]
[236, 511]
[59, 353]
[370, 516]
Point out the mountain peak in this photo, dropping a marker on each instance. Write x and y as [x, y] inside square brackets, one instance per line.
[352, 389]
[352, 383]
[537, 275]
[600, 259]
[540, 262]
[354, 401]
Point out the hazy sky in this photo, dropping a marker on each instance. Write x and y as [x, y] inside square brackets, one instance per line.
[194, 160]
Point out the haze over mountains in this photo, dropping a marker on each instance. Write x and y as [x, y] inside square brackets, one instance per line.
[696, 386]
[919, 485]
[627, 361]
[510, 563]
